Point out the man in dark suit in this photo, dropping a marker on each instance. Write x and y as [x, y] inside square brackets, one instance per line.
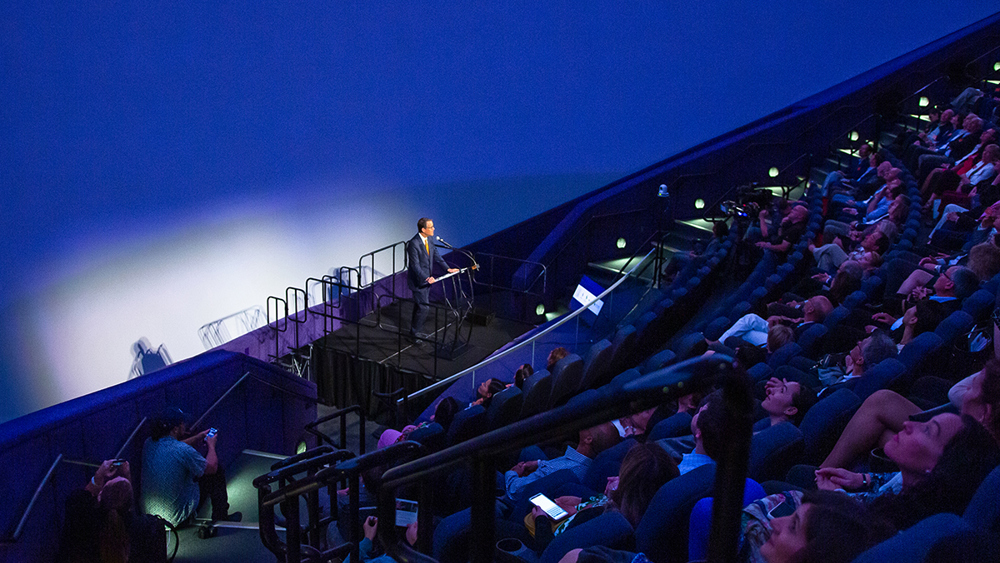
[421, 255]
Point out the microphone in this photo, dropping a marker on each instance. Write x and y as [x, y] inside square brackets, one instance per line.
[442, 241]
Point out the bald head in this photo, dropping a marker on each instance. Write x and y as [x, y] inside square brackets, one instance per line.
[816, 309]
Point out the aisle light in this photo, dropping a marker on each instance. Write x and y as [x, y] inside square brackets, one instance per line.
[540, 309]
[773, 172]
[699, 203]
[996, 66]
[924, 102]
[620, 243]
[854, 136]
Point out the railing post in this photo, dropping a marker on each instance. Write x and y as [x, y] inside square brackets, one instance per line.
[483, 510]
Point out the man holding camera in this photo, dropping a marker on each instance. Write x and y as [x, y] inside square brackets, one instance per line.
[176, 479]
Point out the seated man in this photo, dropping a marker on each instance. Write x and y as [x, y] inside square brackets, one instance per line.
[786, 401]
[951, 287]
[868, 352]
[176, 479]
[707, 431]
[789, 231]
[753, 329]
[592, 441]
[830, 256]
[923, 316]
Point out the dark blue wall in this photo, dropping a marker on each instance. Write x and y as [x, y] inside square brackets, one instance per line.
[134, 126]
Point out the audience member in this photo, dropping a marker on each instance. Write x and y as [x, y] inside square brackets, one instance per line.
[522, 373]
[554, 357]
[884, 413]
[176, 479]
[592, 441]
[100, 524]
[753, 329]
[486, 390]
[645, 468]
[786, 401]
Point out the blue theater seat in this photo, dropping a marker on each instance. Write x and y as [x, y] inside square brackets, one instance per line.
[467, 423]
[825, 421]
[537, 390]
[597, 365]
[566, 375]
[505, 408]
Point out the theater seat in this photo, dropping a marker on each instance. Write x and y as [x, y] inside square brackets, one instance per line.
[825, 421]
[537, 390]
[432, 437]
[662, 534]
[505, 408]
[596, 368]
[883, 375]
[623, 348]
[467, 424]
[774, 450]
[566, 375]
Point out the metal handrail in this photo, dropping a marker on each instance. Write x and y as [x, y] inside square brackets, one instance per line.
[130, 436]
[249, 375]
[342, 415]
[543, 275]
[508, 351]
[350, 469]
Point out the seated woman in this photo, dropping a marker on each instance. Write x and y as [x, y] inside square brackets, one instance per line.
[486, 390]
[884, 413]
[645, 468]
[100, 523]
[523, 373]
[786, 401]
[923, 316]
[941, 464]
[825, 527]
[554, 357]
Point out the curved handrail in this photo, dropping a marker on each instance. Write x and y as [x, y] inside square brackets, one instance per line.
[518, 346]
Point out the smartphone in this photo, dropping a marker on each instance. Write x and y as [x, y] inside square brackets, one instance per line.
[406, 512]
[118, 463]
[550, 508]
[211, 432]
[781, 510]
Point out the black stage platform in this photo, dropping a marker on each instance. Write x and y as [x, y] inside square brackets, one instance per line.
[371, 364]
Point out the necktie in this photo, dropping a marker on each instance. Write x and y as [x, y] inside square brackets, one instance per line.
[427, 247]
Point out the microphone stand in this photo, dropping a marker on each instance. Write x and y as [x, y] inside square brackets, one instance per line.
[463, 305]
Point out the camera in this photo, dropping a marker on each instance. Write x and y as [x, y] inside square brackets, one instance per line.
[748, 202]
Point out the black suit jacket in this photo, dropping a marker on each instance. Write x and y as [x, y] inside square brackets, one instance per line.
[961, 147]
[420, 264]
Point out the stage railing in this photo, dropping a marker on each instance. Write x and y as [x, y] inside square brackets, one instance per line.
[530, 341]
